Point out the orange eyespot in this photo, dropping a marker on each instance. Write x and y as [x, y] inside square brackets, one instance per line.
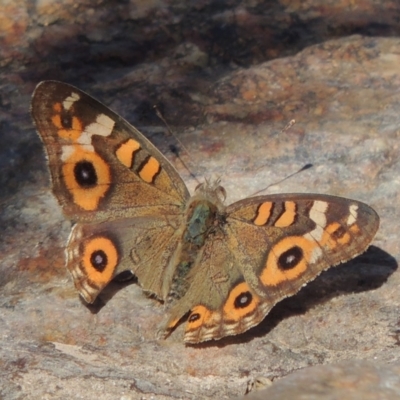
[199, 316]
[241, 301]
[68, 126]
[100, 258]
[288, 259]
[87, 177]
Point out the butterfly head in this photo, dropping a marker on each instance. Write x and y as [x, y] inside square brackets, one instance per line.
[212, 192]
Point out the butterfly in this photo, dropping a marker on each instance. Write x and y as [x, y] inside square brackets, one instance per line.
[220, 268]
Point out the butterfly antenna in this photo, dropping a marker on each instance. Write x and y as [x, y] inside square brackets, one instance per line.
[174, 149]
[303, 168]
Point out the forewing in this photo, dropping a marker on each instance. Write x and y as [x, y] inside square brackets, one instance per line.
[285, 241]
[101, 166]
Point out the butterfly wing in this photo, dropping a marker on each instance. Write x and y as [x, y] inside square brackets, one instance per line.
[96, 253]
[119, 188]
[101, 166]
[271, 246]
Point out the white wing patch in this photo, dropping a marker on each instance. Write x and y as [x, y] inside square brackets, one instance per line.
[103, 126]
[353, 213]
[318, 215]
[67, 103]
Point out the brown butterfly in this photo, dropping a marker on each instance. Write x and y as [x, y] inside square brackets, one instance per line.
[223, 266]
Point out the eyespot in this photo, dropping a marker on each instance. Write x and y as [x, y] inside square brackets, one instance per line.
[290, 258]
[243, 300]
[66, 120]
[199, 316]
[99, 260]
[240, 302]
[87, 177]
[85, 174]
[194, 317]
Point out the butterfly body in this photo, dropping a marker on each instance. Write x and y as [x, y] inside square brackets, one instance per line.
[224, 266]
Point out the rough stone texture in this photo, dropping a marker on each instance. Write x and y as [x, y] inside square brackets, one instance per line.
[346, 380]
[217, 72]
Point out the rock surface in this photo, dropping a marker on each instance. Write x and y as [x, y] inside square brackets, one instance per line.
[228, 79]
[345, 380]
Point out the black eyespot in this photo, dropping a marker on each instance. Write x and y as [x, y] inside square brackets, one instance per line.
[290, 258]
[99, 260]
[243, 300]
[66, 120]
[194, 317]
[85, 174]
[339, 233]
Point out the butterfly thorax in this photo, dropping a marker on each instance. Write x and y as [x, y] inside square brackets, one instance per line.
[204, 218]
